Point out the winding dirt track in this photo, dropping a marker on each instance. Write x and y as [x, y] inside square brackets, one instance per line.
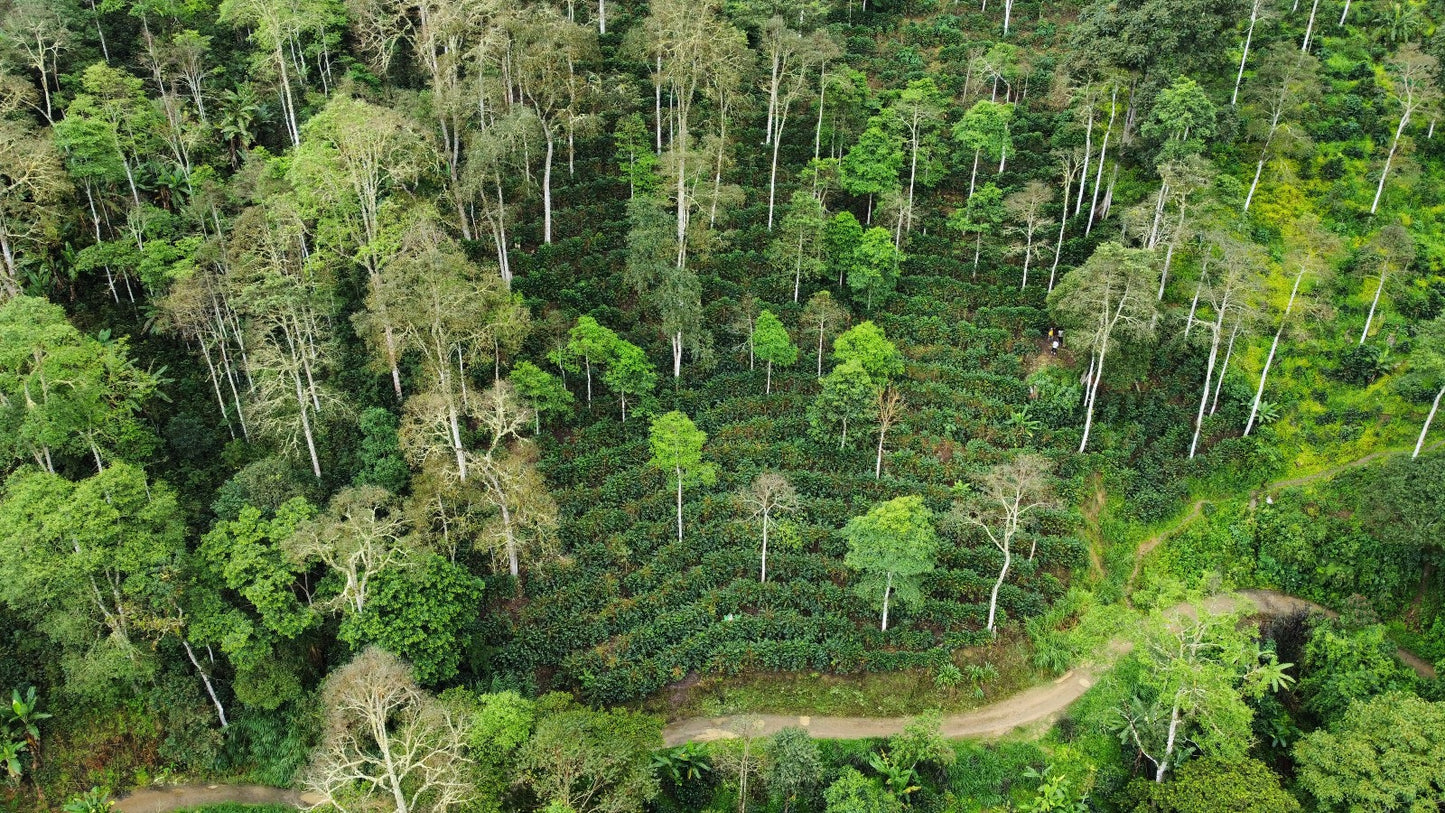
[177, 797]
[1040, 705]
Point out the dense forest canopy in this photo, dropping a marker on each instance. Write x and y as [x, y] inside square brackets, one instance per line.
[422, 403]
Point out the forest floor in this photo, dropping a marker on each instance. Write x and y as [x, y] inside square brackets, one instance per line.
[1039, 706]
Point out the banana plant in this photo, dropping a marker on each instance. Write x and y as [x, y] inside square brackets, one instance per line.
[25, 714]
[901, 779]
[10, 757]
[685, 763]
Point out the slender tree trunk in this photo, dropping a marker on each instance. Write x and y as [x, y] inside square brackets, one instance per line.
[773, 178]
[679, 504]
[1373, 303]
[1258, 170]
[1224, 368]
[206, 680]
[1310, 27]
[1428, 418]
[1390, 156]
[547, 191]
[878, 466]
[818, 131]
[602, 16]
[1093, 396]
[1088, 151]
[1103, 154]
[763, 571]
[887, 591]
[820, 350]
[1002, 574]
[301, 403]
[974, 175]
[457, 448]
[1174, 720]
[1345, 13]
[1208, 378]
[1028, 252]
[1063, 221]
[1248, 37]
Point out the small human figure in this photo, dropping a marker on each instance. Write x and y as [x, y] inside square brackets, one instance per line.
[1060, 337]
[1054, 348]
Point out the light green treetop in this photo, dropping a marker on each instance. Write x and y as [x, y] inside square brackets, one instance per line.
[890, 547]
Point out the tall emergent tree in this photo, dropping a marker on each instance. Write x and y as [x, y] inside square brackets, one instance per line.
[773, 345]
[387, 742]
[890, 547]
[1103, 301]
[769, 494]
[677, 450]
[1197, 677]
[1310, 250]
[1429, 361]
[1007, 494]
[1414, 88]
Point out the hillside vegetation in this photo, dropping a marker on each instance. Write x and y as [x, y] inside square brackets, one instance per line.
[419, 403]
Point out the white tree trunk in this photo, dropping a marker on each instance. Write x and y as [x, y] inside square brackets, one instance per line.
[887, 590]
[1390, 156]
[763, 570]
[1428, 419]
[1216, 329]
[1093, 395]
[1273, 346]
[1310, 26]
[1002, 574]
[679, 504]
[1248, 37]
[1224, 368]
[1373, 303]
[206, 680]
[547, 191]
[1174, 720]
[1063, 221]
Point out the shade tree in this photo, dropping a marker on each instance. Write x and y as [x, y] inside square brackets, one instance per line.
[848, 395]
[1390, 251]
[824, 315]
[387, 742]
[866, 344]
[769, 495]
[1192, 691]
[1428, 360]
[872, 164]
[1311, 249]
[1104, 301]
[1414, 89]
[889, 548]
[676, 444]
[772, 344]
[1006, 495]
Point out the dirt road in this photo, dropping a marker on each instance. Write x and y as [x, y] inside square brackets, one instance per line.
[1040, 705]
[177, 797]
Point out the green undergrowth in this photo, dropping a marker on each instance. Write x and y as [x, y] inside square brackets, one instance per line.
[983, 675]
